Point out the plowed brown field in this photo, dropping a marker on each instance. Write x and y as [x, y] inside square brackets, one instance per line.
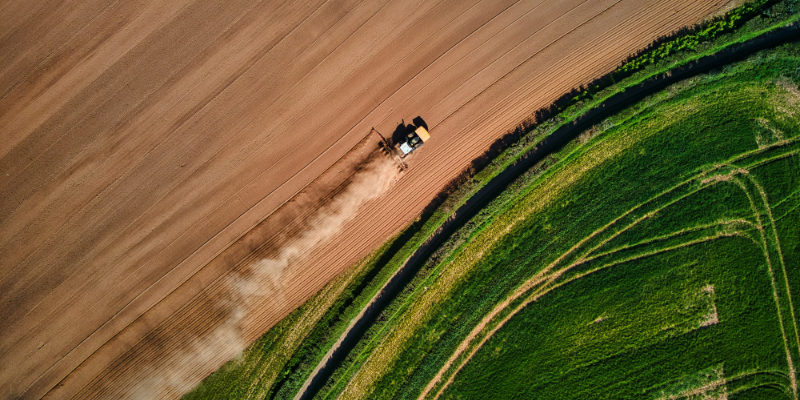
[141, 139]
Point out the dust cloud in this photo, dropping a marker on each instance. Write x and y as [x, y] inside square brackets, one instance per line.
[263, 282]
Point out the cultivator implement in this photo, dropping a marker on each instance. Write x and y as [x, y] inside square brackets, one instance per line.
[389, 151]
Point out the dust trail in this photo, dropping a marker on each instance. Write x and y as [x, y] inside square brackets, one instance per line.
[262, 282]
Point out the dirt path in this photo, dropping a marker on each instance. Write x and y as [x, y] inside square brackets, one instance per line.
[142, 139]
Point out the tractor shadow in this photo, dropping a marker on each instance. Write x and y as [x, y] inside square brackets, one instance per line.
[402, 130]
[418, 121]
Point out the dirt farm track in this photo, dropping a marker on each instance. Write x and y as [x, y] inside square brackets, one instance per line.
[140, 140]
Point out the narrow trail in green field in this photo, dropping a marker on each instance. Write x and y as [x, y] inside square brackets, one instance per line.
[754, 379]
[772, 251]
[773, 282]
[712, 228]
[553, 277]
[735, 384]
[772, 247]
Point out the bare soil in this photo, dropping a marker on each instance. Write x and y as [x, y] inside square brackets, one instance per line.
[142, 141]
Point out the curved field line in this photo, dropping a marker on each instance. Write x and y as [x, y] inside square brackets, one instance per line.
[778, 375]
[777, 244]
[765, 246]
[665, 237]
[790, 196]
[791, 142]
[788, 212]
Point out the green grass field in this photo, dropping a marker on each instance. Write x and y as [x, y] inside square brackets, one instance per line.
[652, 257]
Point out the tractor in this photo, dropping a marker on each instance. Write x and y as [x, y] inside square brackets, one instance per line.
[412, 137]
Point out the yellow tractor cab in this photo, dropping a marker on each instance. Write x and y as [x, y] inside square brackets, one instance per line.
[414, 140]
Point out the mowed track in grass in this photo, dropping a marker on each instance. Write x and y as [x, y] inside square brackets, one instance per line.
[142, 140]
[658, 260]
